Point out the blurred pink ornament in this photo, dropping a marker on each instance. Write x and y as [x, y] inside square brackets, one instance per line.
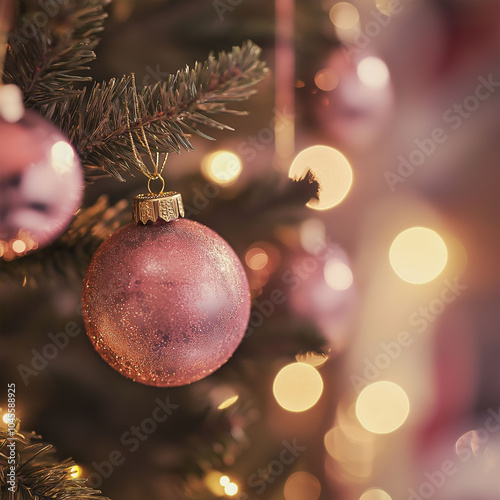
[41, 181]
[165, 304]
[322, 290]
[355, 112]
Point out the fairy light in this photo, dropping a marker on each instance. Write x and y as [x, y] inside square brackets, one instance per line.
[418, 255]
[330, 168]
[382, 407]
[75, 471]
[297, 387]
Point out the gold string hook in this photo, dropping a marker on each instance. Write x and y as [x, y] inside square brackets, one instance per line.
[141, 136]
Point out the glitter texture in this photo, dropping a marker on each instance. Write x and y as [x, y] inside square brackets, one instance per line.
[165, 304]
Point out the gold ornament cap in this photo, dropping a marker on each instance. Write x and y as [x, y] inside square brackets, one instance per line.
[153, 206]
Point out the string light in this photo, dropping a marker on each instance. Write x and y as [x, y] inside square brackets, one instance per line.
[297, 387]
[75, 471]
[330, 168]
[382, 407]
[418, 255]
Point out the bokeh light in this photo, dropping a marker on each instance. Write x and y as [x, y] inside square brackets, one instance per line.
[344, 15]
[221, 167]
[75, 471]
[373, 72]
[228, 402]
[224, 480]
[231, 489]
[8, 418]
[326, 79]
[338, 274]
[213, 482]
[382, 407]
[302, 486]
[375, 494]
[297, 387]
[256, 258]
[418, 255]
[19, 246]
[330, 168]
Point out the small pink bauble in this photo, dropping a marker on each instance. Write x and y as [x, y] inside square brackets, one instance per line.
[41, 181]
[165, 304]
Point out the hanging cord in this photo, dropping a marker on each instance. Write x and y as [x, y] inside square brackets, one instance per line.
[141, 136]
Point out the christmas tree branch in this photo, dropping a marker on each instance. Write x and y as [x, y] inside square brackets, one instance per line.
[50, 45]
[39, 475]
[170, 111]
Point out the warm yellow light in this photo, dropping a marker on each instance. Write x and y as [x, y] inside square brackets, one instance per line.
[302, 486]
[221, 167]
[418, 255]
[375, 494]
[228, 402]
[212, 481]
[344, 15]
[338, 275]
[297, 387]
[224, 481]
[326, 79]
[330, 168]
[256, 258]
[75, 471]
[231, 489]
[8, 418]
[373, 72]
[382, 407]
[19, 246]
[311, 358]
[62, 157]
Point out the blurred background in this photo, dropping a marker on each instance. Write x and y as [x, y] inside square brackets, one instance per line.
[373, 373]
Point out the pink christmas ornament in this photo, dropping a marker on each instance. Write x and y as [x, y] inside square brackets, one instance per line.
[165, 304]
[41, 182]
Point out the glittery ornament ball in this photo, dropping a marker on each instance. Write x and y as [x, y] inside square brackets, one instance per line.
[165, 304]
[41, 182]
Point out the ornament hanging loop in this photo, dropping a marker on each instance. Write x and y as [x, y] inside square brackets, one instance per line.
[154, 178]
